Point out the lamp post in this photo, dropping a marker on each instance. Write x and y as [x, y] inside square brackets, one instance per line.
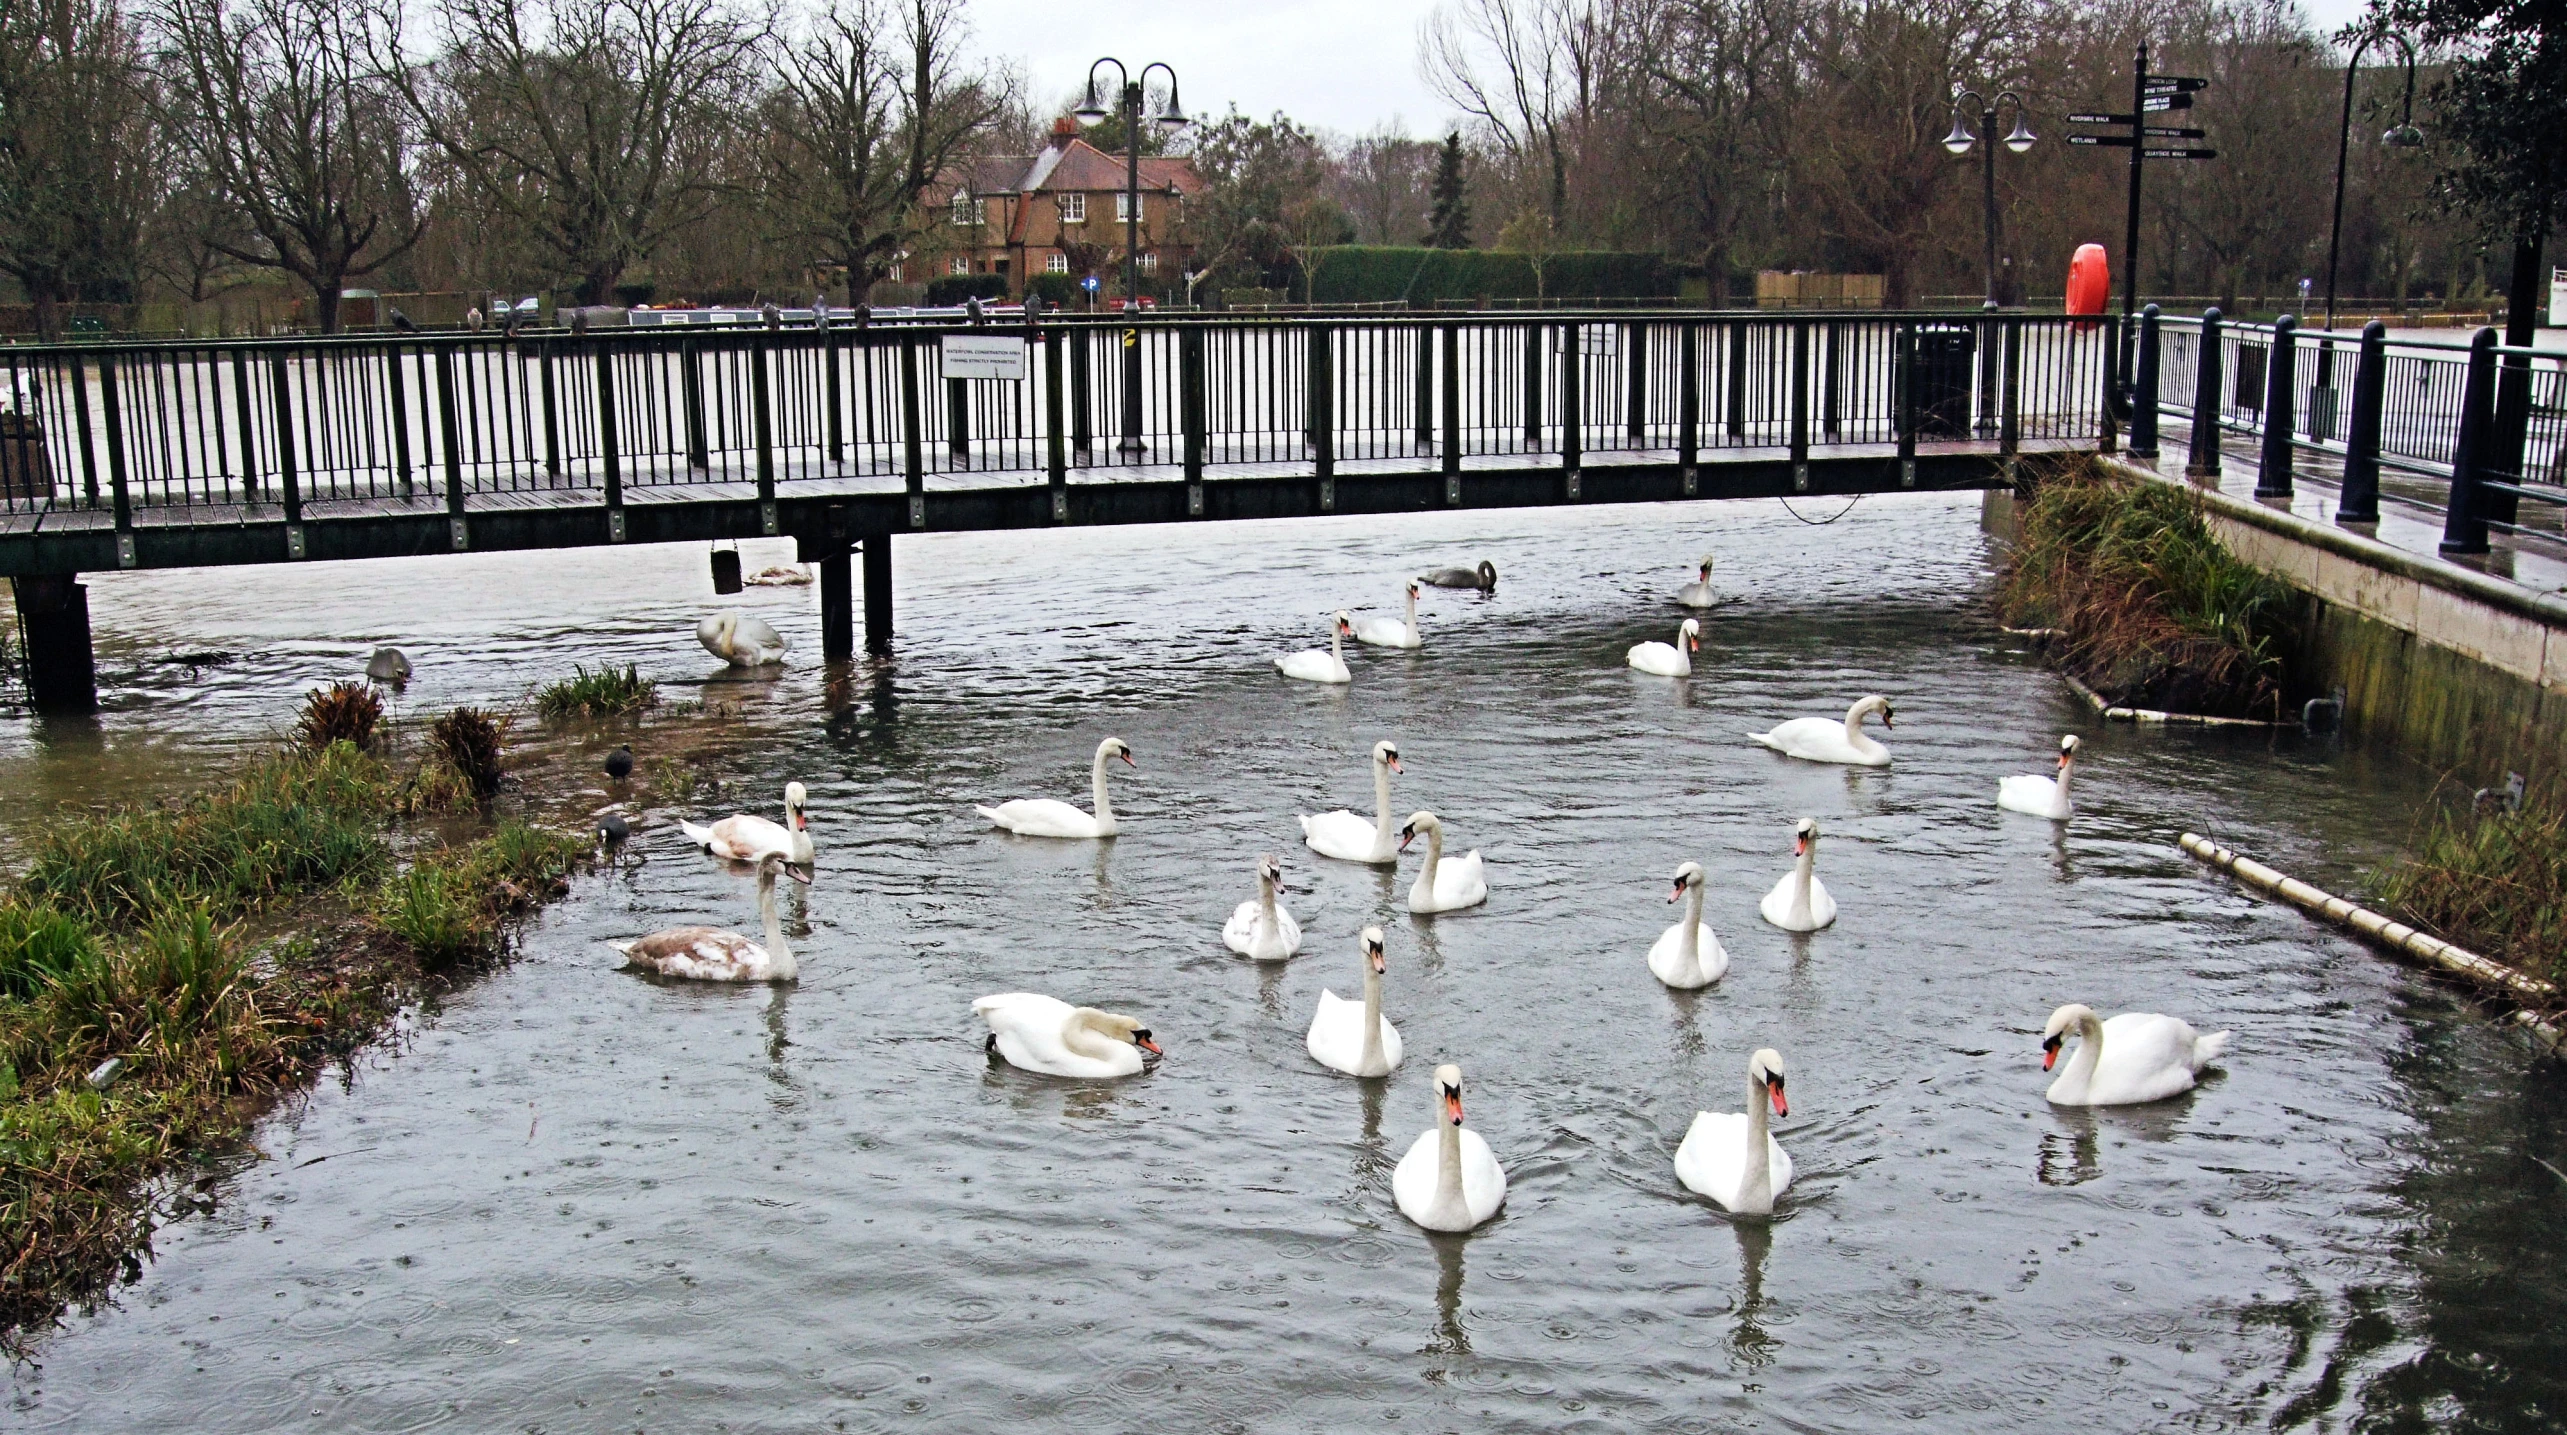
[2403, 135]
[1961, 141]
[1171, 119]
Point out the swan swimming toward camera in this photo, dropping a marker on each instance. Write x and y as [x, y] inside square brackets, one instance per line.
[1348, 838]
[1051, 817]
[1687, 955]
[1799, 902]
[1731, 1156]
[1449, 1180]
[1261, 929]
[1354, 1037]
[1698, 594]
[2040, 796]
[709, 954]
[1442, 886]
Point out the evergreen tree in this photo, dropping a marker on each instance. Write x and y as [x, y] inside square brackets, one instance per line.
[1452, 216]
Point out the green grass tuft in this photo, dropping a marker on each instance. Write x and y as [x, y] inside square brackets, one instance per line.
[603, 693]
[2493, 881]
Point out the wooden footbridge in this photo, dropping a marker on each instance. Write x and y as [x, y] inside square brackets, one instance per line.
[843, 434]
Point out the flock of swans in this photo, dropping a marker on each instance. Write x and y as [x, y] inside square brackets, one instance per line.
[1450, 1179]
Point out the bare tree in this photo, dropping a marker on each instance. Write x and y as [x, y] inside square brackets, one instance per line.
[2256, 210]
[1382, 182]
[1714, 82]
[78, 162]
[870, 110]
[594, 124]
[1527, 71]
[287, 125]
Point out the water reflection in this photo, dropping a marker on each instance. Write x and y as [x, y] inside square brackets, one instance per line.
[1270, 988]
[2068, 1157]
[1750, 1344]
[778, 1041]
[1451, 1337]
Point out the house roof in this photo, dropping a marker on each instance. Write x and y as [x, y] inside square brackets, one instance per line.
[1076, 165]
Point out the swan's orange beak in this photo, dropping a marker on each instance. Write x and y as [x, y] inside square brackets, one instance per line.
[1453, 1107]
[1799, 845]
[1678, 893]
[1889, 718]
[801, 823]
[1142, 1040]
[1693, 642]
[2063, 762]
[2049, 1052]
[1380, 967]
[1406, 836]
[1395, 767]
[1126, 755]
[1774, 1090]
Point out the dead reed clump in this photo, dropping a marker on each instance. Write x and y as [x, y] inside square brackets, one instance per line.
[341, 712]
[2491, 879]
[468, 739]
[2156, 613]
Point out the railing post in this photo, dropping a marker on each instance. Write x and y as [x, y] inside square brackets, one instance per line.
[1131, 445]
[396, 395]
[1991, 346]
[2464, 523]
[1906, 401]
[1082, 388]
[1322, 413]
[2202, 461]
[609, 453]
[2281, 377]
[1688, 402]
[552, 412]
[449, 438]
[114, 412]
[1737, 378]
[1799, 433]
[249, 428]
[832, 388]
[2143, 402]
[2010, 415]
[913, 451]
[699, 454]
[1452, 376]
[289, 484]
[762, 408]
[1190, 413]
[1636, 385]
[88, 446]
[1533, 336]
[1573, 403]
[1425, 387]
[2360, 500]
[2107, 430]
[1831, 404]
[1056, 444]
[958, 421]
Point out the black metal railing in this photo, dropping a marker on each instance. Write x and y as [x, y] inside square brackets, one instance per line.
[2485, 424]
[199, 431]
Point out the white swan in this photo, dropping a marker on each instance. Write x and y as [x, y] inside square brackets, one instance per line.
[747, 837]
[1442, 887]
[1698, 594]
[1048, 1035]
[1354, 1037]
[1449, 1180]
[2042, 796]
[1825, 740]
[709, 954]
[1314, 666]
[1050, 817]
[1670, 660]
[1799, 902]
[1483, 577]
[1687, 955]
[1730, 1156]
[2132, 1058]
[1348, 838]
[1387, 633]
[1261, 929]
[740, 640]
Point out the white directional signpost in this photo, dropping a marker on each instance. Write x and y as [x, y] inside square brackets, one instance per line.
[2149, 95]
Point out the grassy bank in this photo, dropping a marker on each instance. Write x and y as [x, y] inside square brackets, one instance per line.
[2491, 880]
[2156, 614]
[220, 950]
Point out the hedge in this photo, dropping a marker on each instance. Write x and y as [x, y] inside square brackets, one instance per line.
[1359, 274]
[1058, 290]
[955, 288]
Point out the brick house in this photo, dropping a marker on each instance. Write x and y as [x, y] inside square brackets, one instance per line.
[1061, 212]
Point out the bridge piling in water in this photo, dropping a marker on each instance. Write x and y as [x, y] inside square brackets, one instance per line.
[62, 667]
[877, 549]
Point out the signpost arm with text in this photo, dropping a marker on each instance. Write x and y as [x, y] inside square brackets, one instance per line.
[2149, 95]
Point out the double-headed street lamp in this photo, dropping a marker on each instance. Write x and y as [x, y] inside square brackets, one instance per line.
[1960, 142]
[2404, 135]
[1171, 119]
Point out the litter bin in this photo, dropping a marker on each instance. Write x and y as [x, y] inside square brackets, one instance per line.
[26, 470]
[1946, 355]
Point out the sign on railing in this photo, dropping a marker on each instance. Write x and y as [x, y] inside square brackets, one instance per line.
[975, 356]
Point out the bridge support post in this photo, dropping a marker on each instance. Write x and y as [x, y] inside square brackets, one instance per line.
[2360, 500]
[838, 607]
[2203, 459]
[2281, 381]
[62, 669]
[877, 593]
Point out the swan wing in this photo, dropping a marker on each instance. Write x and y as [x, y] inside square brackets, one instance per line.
[1483, 1180]
[1712, 1159]
[748, 838]
[1343, 835]
[2147, 1057]
[1822, 907]
[1412, 1181]
[1337, 1032]
[1659, 659]
[1463, 883]
[1239, 934]
[1777, 906]
[700, 836]
[1027, 1028]
[2031, 793]
[1313, 667]
[1666, 957]
[1042, 817]
[701, 954]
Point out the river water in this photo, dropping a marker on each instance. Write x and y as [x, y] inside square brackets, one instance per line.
[572, 1199]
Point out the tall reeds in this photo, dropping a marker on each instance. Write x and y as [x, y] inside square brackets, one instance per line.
[2493, 880]
[606, 692]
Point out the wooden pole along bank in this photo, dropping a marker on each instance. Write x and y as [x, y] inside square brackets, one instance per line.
[2398, 936]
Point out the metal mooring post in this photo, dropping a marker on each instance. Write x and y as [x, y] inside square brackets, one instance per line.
[1452, 341]
[2281, 381]
[1056, 451]
[2203, 459]
[2143, 402]
[878, 593]
[609, 457]
[2464, 524]
[913, 463]
[1573, 404]
[1689, 404]
[2360, 500]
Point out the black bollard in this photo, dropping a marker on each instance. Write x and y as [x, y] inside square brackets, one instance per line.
[2360, 501]
[2281, 382]
[2203, 460]
[2464, 520]
[2143, 399]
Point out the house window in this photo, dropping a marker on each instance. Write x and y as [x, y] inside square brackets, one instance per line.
[1074, 209]
[1123, 206]
[1057, 264]
[1149, 261]
[965, 212]
[895, 275]
[958, 265]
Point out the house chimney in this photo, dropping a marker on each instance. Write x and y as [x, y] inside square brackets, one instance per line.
[1064, 130]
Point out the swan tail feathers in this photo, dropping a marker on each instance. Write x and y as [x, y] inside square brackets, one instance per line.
[700, 836]
[625, 949]
[2207, 1049]
[992, 814]
[1766, 739]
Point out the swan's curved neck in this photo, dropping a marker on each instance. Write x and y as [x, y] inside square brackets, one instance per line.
[2065, 768]
[1802, 872]
[783, 955]
[1412, 611]
[1448, 1167]
[1267, 926]
[1375, 1061]
[1689, 947]
[1086, 1040]
[1854, 722]
[1104, 803]
[1385, 834]
[1434, 855]
[1756, 1178]
[1336, 642]
[2080, 1075]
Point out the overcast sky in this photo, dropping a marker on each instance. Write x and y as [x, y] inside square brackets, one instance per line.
[1345, 65]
